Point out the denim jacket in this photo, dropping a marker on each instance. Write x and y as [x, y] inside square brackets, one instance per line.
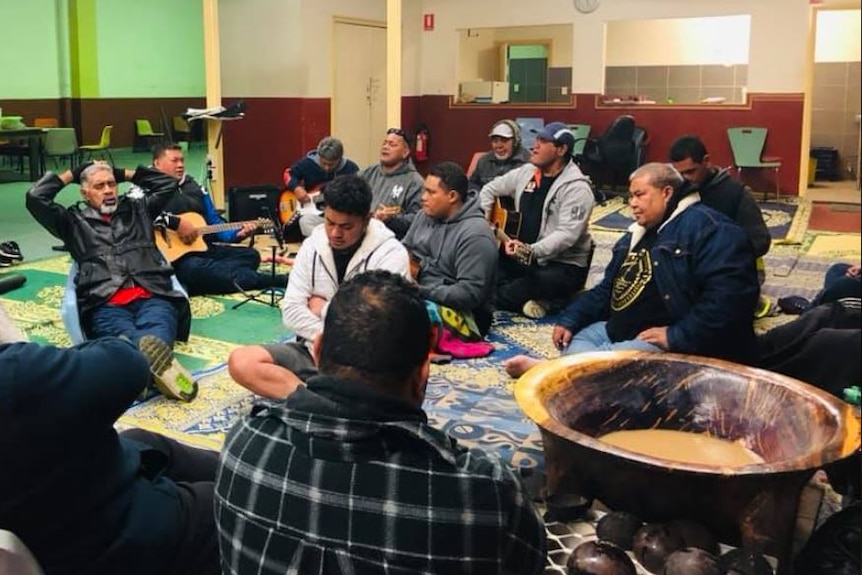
[703, 266]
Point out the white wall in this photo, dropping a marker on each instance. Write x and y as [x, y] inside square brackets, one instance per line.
[777, 50]
[262, 48]
[838, 33]
[711, 40]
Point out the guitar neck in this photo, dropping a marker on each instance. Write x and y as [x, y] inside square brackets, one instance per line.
[216, 228]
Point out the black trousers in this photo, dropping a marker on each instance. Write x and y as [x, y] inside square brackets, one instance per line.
[194, 471]
[554, 282]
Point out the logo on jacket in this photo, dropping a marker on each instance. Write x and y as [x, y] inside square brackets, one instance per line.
[631, 279]
[397, 190]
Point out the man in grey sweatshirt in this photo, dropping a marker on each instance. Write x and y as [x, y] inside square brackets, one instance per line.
[453, 246]
[396, 186]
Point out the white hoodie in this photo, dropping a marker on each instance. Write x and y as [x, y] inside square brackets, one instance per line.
[314, 274]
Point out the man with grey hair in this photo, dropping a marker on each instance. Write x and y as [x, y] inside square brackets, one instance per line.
[682, 279]
[307, 177]
[123, 285]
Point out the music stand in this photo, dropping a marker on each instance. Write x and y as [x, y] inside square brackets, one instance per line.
[271, 295]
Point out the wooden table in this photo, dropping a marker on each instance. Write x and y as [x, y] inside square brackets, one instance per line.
[33, 137]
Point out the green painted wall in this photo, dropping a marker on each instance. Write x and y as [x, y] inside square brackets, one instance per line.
[33, 46]
[150, 48]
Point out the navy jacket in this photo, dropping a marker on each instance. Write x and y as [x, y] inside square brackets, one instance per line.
[704, 270]
[70, 487]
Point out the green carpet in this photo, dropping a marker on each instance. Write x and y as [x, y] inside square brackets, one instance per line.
[216, 328]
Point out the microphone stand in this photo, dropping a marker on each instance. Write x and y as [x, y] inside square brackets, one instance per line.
[274, 293]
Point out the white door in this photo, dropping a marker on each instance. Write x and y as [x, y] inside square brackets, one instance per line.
[359, 90]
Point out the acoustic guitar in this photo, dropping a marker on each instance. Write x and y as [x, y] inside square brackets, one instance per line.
[506, 222]
[173, 248]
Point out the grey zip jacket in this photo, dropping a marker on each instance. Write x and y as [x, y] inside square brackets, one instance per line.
[564, 236]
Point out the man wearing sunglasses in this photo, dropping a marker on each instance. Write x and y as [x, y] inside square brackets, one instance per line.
[396, 186]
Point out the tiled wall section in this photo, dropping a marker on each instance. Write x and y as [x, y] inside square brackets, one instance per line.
[835, 107]
[678, 84]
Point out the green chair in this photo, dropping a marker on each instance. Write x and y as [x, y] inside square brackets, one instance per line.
[102, 148]
[145, 137]
[747, 145]
[582, 133]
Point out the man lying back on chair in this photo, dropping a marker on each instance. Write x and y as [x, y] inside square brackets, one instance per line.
[124, 285]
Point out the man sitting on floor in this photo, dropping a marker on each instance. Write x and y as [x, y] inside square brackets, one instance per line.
[506, 154]
[346, 475]
[453, 247]
[396, 186]
[682, 279]
[721, 192]
[123, 285]
[548, 259]
[349, 242]
[307, 177]
[82, 498]
[220, 269]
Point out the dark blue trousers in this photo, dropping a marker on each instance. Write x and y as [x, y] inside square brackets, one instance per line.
[216, 270]
[151, 316]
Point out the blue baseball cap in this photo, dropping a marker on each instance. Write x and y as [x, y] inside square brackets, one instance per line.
[556, 132]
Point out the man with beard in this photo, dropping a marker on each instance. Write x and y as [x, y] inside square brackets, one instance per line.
[548, 258]
[396, 186]
[682, 279]
[123, 285]
[506, 154]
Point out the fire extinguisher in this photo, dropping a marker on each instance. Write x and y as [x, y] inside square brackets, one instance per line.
[421, 153]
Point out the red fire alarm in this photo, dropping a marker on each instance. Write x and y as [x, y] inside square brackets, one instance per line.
[428, 22]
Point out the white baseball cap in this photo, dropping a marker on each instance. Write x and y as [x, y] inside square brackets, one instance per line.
[502, 130]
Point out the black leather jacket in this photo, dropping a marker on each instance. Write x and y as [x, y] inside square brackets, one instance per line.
[115, 253]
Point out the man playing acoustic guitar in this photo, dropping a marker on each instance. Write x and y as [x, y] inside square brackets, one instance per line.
[552, 201]
[220, 269]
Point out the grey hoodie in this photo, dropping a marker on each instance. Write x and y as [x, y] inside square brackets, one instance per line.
[402, 188]
[458, 260]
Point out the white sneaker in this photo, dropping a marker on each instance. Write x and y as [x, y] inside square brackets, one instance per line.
[171, 378]
[534, 309]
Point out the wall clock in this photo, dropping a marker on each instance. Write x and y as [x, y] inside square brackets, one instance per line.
[586, 6]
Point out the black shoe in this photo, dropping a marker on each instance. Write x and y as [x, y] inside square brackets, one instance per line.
[11, 250]
[793, 304]
[5, 262]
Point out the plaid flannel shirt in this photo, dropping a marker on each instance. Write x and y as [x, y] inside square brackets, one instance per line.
[338, 479]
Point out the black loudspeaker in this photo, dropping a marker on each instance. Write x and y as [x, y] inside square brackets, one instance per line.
[253, 202]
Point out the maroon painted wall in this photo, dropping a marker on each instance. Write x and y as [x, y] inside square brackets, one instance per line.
[278, 131]
[459, 131]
